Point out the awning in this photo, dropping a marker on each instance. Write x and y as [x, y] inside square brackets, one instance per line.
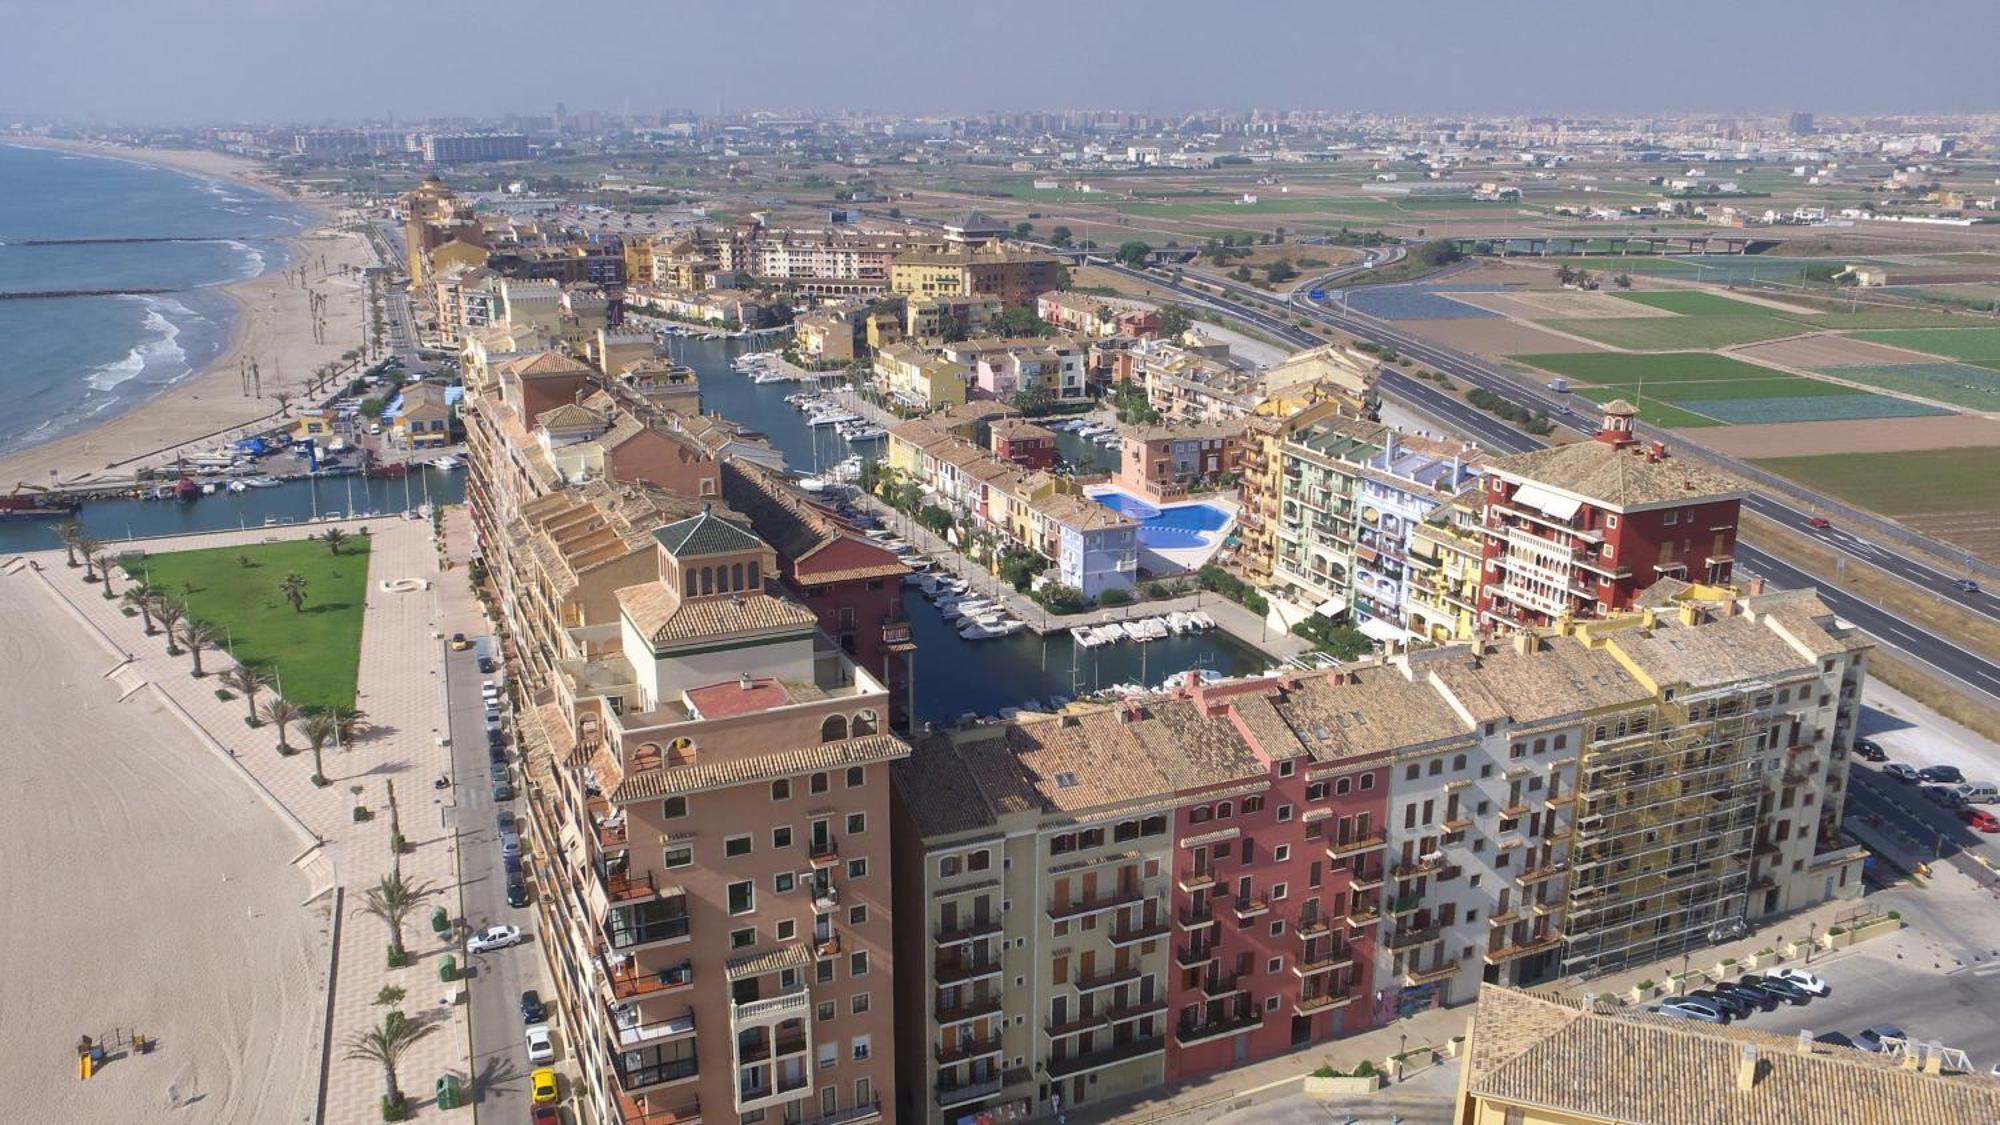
[1381, 630]
[1557, 507]
[1331, 607]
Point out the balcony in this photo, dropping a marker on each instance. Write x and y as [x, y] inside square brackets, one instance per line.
[967, 1009]
[1457, 823]
[1135, 932]
[796, 1004]
[1077, 908]
[823, 852]
[1533, 875]
[1361, 915]
[1137, 1009]
[850, 1116]
[1313, 927]
[1325, 1001]
[611, 835]
[969, 930]
[637, 1079]
[643, 924]
[956, 1094]
[1524, 949]
[1547, 907]
[1326, 964]
[682, 1111]
[1414, 936]
[1416, 976]
[825, 899]
[1421, 867]
[791, 1043]
[1405, 904]
[633, 1030]
[1094, 981]
[967, 969]
[827, 945]
[1191, 881]
[1193, 956]
[1106, 1057]
[967, 1047]
[1368, 881]
[1252, 907]
[621, 886]
[1188, 1034]
[1217, 986]
[1341, 849]
[1195, 917]
[629, 982]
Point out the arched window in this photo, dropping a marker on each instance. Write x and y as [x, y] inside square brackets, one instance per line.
[689, 575]
[707, 580]
[833, 729]
[754, 584]
[680, 751]
[736, 576]
[866, 722]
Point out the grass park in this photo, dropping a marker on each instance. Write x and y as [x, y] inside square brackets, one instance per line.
[1906, 483]
[314, 649]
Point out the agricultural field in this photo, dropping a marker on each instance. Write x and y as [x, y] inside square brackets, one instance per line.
[1701, 389]
[1971, 345]
[1943, 492]
[1961, 384]
[1693, 302]
[1664, 333]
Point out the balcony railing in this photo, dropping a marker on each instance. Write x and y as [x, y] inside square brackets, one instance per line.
[968, 1008]
[1252, 907]
[1420, 867]
[1542, 874]
[1366, 880]
[1413, 936]
[1216, 986]
[620, 885]
[1324, 964]
[825, 899]
[1192, 1033]
[961, 1093]
[1405, 904]
[790, 1005]
[634, 1079]
[633, 1031]
[1106, 1056]
[1340, 849]
[823, 852]
[1093, 981]
[1077, 908]
[1416, 976]
[685, 1110]
[967, 1047]
[1132, 933]
[969, 929]
[1196, 917]
[628, 981]
[1531, 946]
[966, 969]
[1192, 880]
[1308, 1005]
[1193, 956]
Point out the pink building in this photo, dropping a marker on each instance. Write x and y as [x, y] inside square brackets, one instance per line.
[1164, 461]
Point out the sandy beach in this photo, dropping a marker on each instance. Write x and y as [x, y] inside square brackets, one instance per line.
[274, 327]
[148, 888]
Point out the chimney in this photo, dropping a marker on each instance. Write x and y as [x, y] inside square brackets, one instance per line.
[1658, 451]
[1756, 586]
[1805, 1041]
[1524, 642]
[745, 683]
[1746, 1068]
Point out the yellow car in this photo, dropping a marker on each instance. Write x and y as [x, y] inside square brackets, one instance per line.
[459, 643]
[544, 1083]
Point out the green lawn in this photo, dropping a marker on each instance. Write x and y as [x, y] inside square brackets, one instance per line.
[1976, 345]
[316, 653]
[1614, 370]
[1663, 333]
[1693, 302]
[1652, 409]
[1926, 480]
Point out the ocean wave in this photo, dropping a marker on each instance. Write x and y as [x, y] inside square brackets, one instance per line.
[253, 259]
[152, 356]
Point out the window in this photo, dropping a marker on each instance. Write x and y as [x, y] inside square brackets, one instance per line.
[857, 963]
[1341, 785]
[785, 882]
[947, 867]
[1284, 813]
[856, 775]
[979, 860]
[1315, 876]
[1610, 521]
[1671, 518]
[863, 1045]
[673, 808]
[1412, 773]
[781, 836]
[858, 1004]
[781, 789]
[1275, 965]
[826, 1010]
[829, 1054]
[742, 939]
[1286, 768]
[1223, 811]
[833, 728]
[1316, 791]
[857, 823]
[786, 929]
[733, 846]
[823, 972]
[1277, 929]
[857, 869]
[1252, 805]
[1367, 781]
[857, 915]
[1279, 891]
[1458, 762]
[818, 783]
[1281, 853]
[1437, 766]
[742, 897]
[1199, 815]
[678, 857]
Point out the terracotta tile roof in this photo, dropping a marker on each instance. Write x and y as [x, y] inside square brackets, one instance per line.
[568, 416]
[798, 529]
[663, 619]
[1557, 676]
[1373, 710]
[722, 773]
[1618, 476]
[1801, 617]
[1710, 654]
[1193, 748]
[938, 792]
[793, 955]
[1653, 1070]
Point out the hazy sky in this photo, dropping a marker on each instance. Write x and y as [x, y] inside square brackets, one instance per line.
[271, 60]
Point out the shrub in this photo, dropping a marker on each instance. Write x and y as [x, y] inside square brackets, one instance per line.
[1364, 1069]
[1158, 590]
[1217, 580]
[1326, 1071]
[1060, 599]
[1895, 915]
[1115, 598]
[397, 1111]
[390, 996]
[361, 814]
[398, 960]
[224, 694]
[1646, 985]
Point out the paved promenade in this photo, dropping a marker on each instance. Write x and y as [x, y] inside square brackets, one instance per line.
[402, 695]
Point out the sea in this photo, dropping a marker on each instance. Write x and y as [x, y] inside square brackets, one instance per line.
[73, 361]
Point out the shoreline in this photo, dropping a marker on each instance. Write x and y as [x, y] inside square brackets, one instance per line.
[272, 325]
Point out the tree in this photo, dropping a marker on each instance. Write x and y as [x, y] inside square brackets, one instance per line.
[1034, 401]
[319, 730]
[1440, 252]
[1622, 281]
[1174, 321]
[935, 518]
[284, 401]
[104, 572]
[139, 596]
[197, 635]
[373, 407]
[1023, 230]
[1279, 271]
[1020, 321]
[1134, 253]
[347, 721]
[1565, 276]
[69, 531]
[1060, 236]
[335, 539]
[88, 547]
[293, 587]
[169, 613]
[247, 682]
[385, 1044]
[391, 899]
[280, 713]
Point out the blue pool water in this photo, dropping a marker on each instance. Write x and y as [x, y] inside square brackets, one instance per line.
[1182, 525]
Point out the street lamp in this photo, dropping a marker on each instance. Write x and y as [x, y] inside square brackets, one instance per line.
[1810, 931]
[1681, 985]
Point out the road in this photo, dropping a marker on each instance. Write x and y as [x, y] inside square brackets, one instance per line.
[500, 1058]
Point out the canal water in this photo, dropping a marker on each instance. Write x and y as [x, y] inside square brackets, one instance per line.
[953, 675]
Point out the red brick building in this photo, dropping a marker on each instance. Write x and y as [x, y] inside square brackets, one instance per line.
[1580, 530]
[1023, 443]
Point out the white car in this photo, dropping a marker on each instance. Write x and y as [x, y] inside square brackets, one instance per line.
[541, 1044]
[489, 690]
[1810, 982]
[492, 938]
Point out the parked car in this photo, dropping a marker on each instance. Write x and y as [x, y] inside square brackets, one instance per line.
[541, 1044]
[1696, 1008]
[1835, 1038]
[489, 690]
[503, 789]
[1906, 774]
[546, 1115]
[1736, 1007]
[492, 938]
[1811, 982]
[1979, 818]
[517, 890]
[1779, 987]
[1942, 795]
[532, 1008]
[1978, 793]
[1870, 750]
[1755, 997]
[505, 820]
[543, 1083]
[486, 664]
[459, 643]
[1871, 1039]
[510, 843]
[1946, 775]
[512, 863]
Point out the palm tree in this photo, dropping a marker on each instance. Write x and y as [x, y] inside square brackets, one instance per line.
[198, 635]
[293, 587]
[385, 1044]
[346, 721]
[69, 531]
[391, 899]
[88, 547]
[247, 682]
[169, 613]
[334, 538]
[140, 597]
[279, 713]
[104, 572]
[319, 730]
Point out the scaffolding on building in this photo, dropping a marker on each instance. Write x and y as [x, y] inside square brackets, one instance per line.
[1666, 828]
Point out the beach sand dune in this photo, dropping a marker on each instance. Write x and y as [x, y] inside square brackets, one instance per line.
[146, 888]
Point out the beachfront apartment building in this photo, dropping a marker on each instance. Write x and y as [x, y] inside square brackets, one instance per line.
[432, 216]
[1265, 430]
[709, 809]
[1580, 530]
[467, 297]
[1163, 461]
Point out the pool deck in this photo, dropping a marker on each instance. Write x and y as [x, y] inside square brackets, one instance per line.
[1179, 560]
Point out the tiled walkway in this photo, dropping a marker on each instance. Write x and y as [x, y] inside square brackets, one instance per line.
[401, 692]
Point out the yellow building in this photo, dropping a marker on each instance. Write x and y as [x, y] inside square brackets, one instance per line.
[1269, 425]
[1016, 279]
[1443, 591]
[1535, 1060]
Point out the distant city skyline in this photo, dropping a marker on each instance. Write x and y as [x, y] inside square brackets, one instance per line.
[218, 61]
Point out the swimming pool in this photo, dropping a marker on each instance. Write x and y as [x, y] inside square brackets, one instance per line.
[1178, 526]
